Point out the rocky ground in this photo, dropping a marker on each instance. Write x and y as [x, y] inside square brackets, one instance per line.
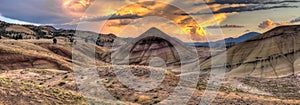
[38, 86]
[248, 91]
[43, 86]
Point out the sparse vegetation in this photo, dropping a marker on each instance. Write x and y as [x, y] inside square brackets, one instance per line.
[118, 97]
[136, 100]
[16, 91]
[61, 83]
[156, 101]
[284, 88]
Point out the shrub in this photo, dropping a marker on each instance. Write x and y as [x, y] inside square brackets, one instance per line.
[61, 83]
[54, 40]
[136, 100]
[118, 97]
[156, 101]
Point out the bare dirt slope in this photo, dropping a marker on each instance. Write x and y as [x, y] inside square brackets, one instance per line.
[271, 54]
[226, 95]
[40, 54]
[19, 28]
[39, 72]
[38, 86]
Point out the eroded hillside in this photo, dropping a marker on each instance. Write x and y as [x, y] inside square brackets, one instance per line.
[272, 54]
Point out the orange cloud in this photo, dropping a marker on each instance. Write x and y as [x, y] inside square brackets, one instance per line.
[189, 26]
[216, 7]
[215, 19]
[150, 8]
[267, 24]
[76, 8]
[270, 24]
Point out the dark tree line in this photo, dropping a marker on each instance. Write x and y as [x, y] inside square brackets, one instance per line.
[17, 37]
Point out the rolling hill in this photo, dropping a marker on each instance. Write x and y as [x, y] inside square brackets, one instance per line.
[150, 44]
[271, 54]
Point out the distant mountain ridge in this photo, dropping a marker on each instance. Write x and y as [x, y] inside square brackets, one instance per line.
[227, 40]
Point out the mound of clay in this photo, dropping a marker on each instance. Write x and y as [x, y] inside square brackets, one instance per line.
[272, 54]
[22, 54]
[152, 44]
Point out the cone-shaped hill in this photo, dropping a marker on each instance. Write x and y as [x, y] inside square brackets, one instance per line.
[152, 43]
[274, 53]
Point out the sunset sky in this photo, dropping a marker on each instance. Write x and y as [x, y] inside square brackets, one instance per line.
[189, 20]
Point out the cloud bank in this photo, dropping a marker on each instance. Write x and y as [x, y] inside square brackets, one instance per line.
[44, 11]
[209, 2]
[225, 26]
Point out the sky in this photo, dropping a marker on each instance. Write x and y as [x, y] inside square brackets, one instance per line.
[188, 20]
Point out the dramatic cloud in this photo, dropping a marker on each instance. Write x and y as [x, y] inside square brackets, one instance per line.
[225, 26]
[112, 17]
[119, 23]
[44, 11]
[251, 8]
[267, 24]
[14, 21]
[76, 7]
[270, 24]
[209, 2]
[234, 9]
[121, 13]
[296, 20]
[230, 6]
[151, 8]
